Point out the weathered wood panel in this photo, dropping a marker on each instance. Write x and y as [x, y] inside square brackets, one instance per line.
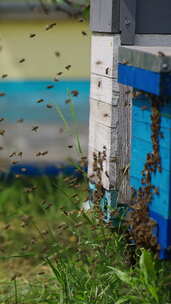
[104, 54]
[127, 21]
[104, 16]
[104, 113]
[104, 89]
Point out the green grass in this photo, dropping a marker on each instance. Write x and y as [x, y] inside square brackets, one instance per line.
[53, 252]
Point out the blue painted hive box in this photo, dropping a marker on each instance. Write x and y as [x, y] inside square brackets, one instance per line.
[148, 70]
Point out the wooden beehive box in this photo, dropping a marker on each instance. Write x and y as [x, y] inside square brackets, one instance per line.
[148, 71]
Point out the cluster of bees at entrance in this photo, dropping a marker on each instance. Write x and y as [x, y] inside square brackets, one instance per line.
[141, 225]
[35, 128]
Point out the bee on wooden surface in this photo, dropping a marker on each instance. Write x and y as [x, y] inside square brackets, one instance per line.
[38, 154]
[2, 132]
[32, 35]
[49, 106]
[57, 54]
[68, 67]
[35, 128]
[20, 120]
[44, 153]
[4, 75]
[2, 94]
[161, 54]
[22, 60]
[70, 146]
[50, 86]
[40, 100]
[107, 174]
[99, 84]
[50, 26]
[75, 93]
[83, 33]
[20, 154]
[98, 62]
[105, 115]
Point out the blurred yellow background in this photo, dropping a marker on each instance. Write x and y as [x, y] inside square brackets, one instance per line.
[39, 52]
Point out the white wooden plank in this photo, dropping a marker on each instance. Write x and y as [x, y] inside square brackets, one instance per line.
[104, 54]
[104, 113]
[104, 89]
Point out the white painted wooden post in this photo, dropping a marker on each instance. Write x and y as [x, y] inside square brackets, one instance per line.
[110, 103]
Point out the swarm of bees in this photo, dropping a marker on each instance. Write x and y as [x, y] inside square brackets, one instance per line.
[141, 226]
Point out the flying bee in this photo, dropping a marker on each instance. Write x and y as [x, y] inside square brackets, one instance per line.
[59, 73]
[75, 93]
[57, 54]
[1, 119]
[56, 79]
[22, 60]
[40, 100]
[4, 75]
[2, 94]
[32, 35]
[83, 33]
[50, 86]
[68, 67]
[14, 162]
[50, 26]
[68, 100]
[44, 153]
[12, 154]
[2, 132]
[20, 120]
[35, 128]
[49, 106]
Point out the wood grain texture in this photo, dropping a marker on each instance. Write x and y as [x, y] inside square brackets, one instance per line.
[104, 54]
[104, 89]
[104, 113]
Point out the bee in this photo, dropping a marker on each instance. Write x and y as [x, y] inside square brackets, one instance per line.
[107, 71]
[68, 67]
[50, 86]
[40, 100]
[1, 119]
[59, 73]
[49, 106]
[56, 79]
[41, 273]
[99, 84]
[20, 120]
[6, 227]
[81, 20]
[83, 33]
[32, 35]
[161, 54]
[4, 75]
[2, 94]
[2, 132]
[35, 128]
[57, 54]
[22, 60]
[105, 115]
[38, 154]
[68, 100]
[98, 62]
[12, 154]
[1, 148]
[75, 93]
[50, 26]
[44, 153]
[70, 146]
[14, 162]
